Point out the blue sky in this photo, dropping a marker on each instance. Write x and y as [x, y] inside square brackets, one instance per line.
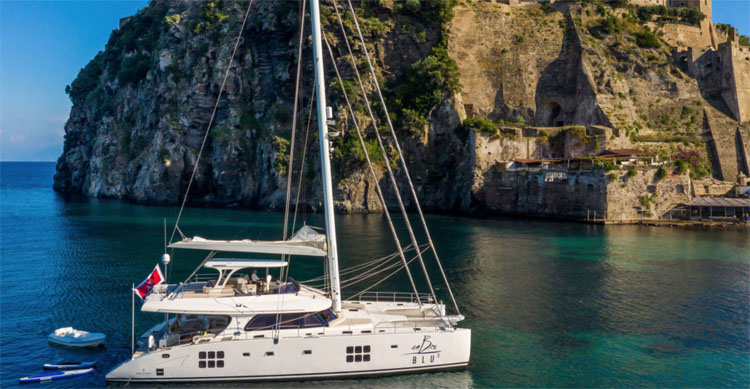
[43, 45]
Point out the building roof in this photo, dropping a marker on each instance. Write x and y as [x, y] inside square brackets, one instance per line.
[719, 202]
[624, 153]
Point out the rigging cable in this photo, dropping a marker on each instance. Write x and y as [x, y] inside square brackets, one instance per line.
[210, 122]
[383, 151]
[372, 172]
[403, 160]
[284, 273]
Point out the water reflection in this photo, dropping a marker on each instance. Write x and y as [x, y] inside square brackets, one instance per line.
[549, 304]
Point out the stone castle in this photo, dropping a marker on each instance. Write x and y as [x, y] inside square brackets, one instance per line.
[710, 55]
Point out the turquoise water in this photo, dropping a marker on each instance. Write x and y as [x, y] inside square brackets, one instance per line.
[549, 303]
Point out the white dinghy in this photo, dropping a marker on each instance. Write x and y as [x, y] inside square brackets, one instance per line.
[69, 336]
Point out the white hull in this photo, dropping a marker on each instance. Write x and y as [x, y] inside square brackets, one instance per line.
[304, 357]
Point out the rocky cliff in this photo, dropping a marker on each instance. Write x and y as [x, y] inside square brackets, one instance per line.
[141, 106]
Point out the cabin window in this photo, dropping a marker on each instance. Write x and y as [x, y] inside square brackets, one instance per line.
[159, 371]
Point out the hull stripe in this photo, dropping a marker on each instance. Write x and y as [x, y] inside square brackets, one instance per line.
[292, 376]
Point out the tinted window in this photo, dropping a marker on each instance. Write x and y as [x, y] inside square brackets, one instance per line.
[314, 320]
[288, 321]
[261, 322]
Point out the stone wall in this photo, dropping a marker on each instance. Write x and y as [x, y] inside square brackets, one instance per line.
[563, 193]
[645, 196]
[680, 35]
[735, 78]
[555, 193]
[712, 188]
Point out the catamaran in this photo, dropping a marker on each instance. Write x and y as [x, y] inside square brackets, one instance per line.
[229, 326]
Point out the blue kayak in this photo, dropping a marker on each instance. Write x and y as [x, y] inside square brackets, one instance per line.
[68, 365]
[56, 375]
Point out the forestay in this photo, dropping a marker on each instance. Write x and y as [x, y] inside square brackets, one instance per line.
[305, 241]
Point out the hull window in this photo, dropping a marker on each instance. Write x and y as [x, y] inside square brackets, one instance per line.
[210, 359]
[358, 354]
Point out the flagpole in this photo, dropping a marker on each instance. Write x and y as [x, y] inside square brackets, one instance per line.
[132, 322]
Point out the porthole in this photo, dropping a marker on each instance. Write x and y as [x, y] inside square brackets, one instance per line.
[165, 356]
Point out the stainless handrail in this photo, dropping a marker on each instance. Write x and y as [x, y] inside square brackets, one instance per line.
[393, 296]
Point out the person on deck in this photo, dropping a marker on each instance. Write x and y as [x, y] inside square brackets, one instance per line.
[255, 277]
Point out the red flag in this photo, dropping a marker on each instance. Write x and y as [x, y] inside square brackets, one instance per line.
[155, 278]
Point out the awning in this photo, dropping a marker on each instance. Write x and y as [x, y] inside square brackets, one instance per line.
[719, 202]
[305, 241]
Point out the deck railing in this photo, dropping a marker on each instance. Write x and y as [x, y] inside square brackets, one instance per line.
[394, 297]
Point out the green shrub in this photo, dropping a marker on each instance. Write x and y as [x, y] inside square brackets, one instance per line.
[172, 20]
[281, 161]
[647, 40]
[87, 79]
[478, 125]
[413, 122]
[426, 81]
[660, 173]
[632, 172]
[610, 24]
[413, 5]
[134, 69]
[645, 200]
[613, 176]
[211, 16]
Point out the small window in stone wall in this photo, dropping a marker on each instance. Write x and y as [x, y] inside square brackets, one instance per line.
[680, 189]
[651, 189]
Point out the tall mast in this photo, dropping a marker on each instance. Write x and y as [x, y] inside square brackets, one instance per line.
[325, 162]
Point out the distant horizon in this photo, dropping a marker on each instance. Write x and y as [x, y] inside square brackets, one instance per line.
[36, 67]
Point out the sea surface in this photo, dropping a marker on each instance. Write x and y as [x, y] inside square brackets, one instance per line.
[550, 304]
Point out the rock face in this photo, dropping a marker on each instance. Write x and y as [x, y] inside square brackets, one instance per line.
[142, 106]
